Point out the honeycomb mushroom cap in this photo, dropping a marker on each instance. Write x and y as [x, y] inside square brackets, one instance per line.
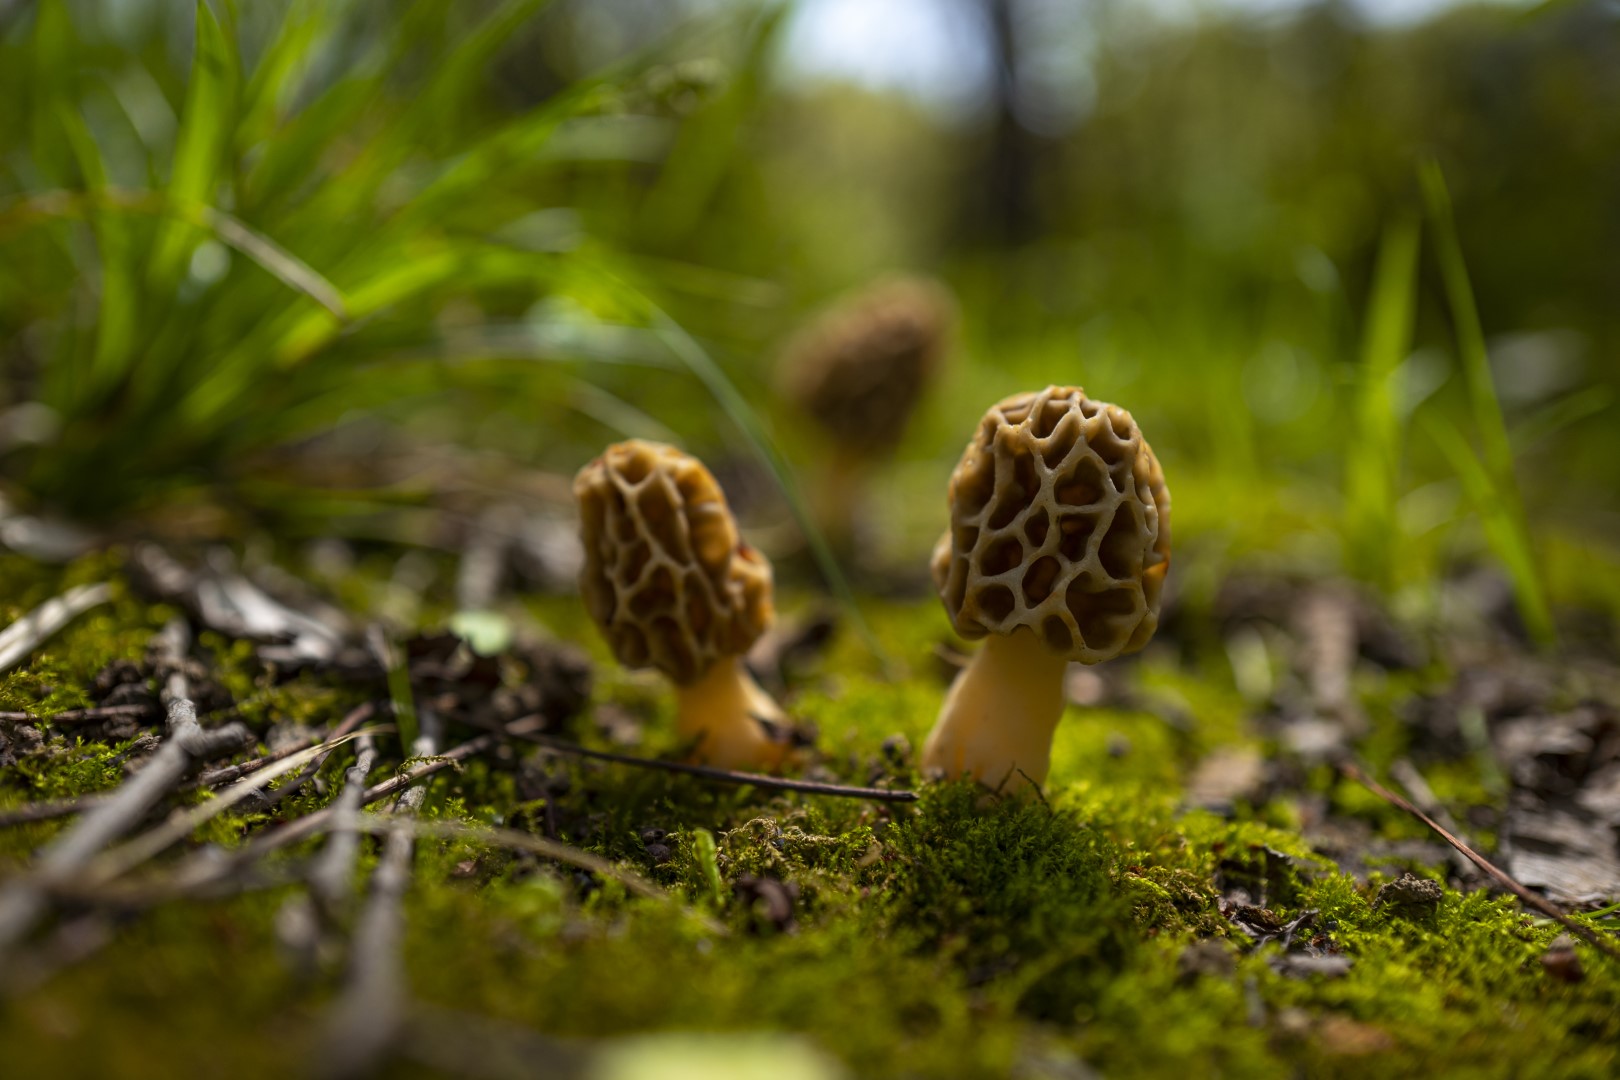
[666, 576]
[1060, 523]
[859, 369]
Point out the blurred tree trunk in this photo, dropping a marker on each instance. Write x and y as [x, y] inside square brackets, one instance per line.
[1004, 208]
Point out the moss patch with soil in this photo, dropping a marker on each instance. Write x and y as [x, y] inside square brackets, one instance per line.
[1107, 925]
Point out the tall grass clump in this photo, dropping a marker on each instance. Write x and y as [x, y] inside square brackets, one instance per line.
[204, 263]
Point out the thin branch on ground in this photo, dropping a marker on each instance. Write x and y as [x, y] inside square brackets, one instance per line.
[31, 631]
[1491, 870]
[126, 857]
[229, 773]
[369, 1017]
[266, 800]
[1406, 774]
[25, 900]
[93, 714]
[331, 875]
[46, 811]
[523, 729]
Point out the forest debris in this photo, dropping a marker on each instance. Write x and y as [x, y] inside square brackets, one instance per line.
[1305, 966]
[1263, 925]
[91, 715]
[18, 738]
[370, 1015]
[769, 899]
[24, 900]
[225, 601]
[182, 823]
[1227, 776]
[1561, 849]
[31, 631]
[789, 645]
[226, 774]
[45, 539]
[1407, 775]
[484, 557]
[45, 811]
[454, 1043]
[1344, 1037]
[527, 730]
[331, 876]
[1561, 961]
[1209, 958]
[1410, 897]
[1559, 830]
[1327, 623]
[1608, 948]
[263, 799]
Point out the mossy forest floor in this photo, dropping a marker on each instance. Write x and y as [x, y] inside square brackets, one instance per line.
[1196, 894]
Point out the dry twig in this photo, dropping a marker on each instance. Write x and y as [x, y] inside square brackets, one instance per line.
[370, 1015]
[523, 728]
[331, 876]
[1491, 870]
[35, 628]
[24, 901]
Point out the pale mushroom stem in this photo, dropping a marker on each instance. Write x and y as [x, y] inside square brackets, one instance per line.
[719, 713]
[997, 721]
[836, 497]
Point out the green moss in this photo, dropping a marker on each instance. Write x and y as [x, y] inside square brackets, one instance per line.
[963, 936]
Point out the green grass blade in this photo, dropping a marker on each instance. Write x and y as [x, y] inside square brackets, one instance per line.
[118, 306]
[1555, 416]
[276, 77]
[1373, 462]
[1506, 523]
[205, 132]
[1504, 528]
[1476, 364]
[269, 255]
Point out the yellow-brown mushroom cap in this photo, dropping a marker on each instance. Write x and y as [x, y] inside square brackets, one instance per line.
[666, 576]
[859, 368]
[1060, 523]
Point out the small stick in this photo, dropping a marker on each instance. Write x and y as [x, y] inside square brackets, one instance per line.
[84, 716]
[24, 901]
[357, 716]
[516, 729]
[35, 628]
[45, 811]
[127, 856]
[371, 1013]
[228, 773]
[331, 876]
[1498, 875]
[1404, 773]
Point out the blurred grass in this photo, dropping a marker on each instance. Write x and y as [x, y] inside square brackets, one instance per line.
[1491, 482]
[261, 263]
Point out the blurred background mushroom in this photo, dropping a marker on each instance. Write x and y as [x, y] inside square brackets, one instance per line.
[857, 371]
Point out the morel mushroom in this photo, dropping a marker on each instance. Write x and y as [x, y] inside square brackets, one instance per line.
[673, 586]
[1057, 551]
[858, 371]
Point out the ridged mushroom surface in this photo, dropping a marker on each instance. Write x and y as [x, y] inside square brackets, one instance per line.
[666, 576]
[1060, 522]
